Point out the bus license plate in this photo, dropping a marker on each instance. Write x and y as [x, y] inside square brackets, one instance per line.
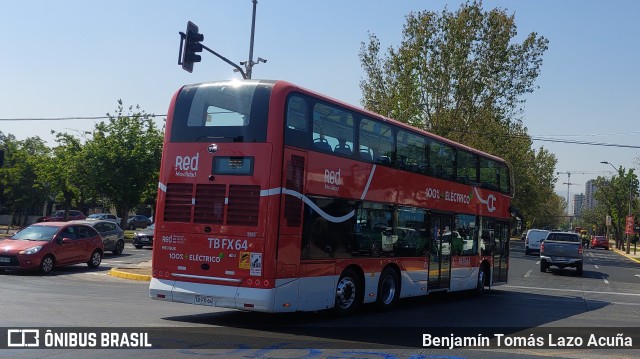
[203, 300]
[5, 259]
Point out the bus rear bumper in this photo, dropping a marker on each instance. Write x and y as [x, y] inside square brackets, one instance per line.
[223, 296]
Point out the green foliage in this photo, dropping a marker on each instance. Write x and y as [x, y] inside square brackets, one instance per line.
[122, 160]
[616, 197]
[462, 75]
[61, 171]
[22, 188]
[117, 166]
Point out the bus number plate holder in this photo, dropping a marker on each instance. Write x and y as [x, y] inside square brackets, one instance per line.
[204, 300]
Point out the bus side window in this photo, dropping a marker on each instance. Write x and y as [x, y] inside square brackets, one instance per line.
[378, 140]
[297, 126]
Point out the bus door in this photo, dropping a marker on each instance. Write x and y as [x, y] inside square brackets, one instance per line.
[440, 253]
[500, 252]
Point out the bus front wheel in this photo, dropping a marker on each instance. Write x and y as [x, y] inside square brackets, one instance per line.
[348, 292]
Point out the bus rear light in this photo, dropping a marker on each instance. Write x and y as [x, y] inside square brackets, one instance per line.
[162, 296]
[257, 281]
[286, 305]
[248, 305]
[266, 283]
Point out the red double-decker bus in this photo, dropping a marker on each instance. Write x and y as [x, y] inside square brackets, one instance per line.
[274, 198]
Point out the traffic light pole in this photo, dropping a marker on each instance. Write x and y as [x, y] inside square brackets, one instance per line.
[244, 75]
[183, 37]
[191, 44]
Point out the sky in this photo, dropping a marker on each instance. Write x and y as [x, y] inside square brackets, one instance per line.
[70, 58]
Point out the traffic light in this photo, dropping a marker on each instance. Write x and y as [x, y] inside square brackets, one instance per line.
[191, 47]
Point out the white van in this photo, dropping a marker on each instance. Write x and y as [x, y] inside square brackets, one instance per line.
[533, 239]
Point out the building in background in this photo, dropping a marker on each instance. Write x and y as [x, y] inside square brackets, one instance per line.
[589, 192]
[578, 203]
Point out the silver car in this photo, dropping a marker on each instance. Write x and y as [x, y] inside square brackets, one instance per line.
[111, 233]
[104, 216]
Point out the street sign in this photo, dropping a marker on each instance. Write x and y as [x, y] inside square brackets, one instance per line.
[629, 226]
[608, 219]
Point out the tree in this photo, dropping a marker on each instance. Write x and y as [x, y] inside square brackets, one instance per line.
[123, 158]
[22, 188]
[61, 172]
[461, 75]
[614, 197]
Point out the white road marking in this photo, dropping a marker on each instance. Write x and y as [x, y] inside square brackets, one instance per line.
[605, 281]
[572, 290]
[529, 272]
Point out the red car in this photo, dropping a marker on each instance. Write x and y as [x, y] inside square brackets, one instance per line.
[47, 245]
[58, 216]
[600, 241]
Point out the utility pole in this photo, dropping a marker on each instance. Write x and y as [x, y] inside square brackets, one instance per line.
[249, 64]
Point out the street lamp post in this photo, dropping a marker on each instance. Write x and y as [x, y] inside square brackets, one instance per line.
[628, 241]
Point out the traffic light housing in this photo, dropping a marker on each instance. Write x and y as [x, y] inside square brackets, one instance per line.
[191, 47]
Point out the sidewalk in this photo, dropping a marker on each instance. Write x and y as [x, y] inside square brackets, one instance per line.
[141, 272]
[631, 255]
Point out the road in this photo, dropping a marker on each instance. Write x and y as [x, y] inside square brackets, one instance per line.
[607, 295]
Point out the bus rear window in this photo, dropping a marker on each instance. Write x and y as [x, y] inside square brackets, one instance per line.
[231, 111]
[242, 166]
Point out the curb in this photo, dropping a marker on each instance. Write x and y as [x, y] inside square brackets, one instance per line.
[122, 273]
[627, 255]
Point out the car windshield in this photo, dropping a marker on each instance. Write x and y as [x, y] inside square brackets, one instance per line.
[36, 233]
[96, 216]
[564, 237]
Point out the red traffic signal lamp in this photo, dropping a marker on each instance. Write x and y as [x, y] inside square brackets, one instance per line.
[191, 47]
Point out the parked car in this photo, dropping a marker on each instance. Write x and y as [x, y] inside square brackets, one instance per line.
[600, 242]
[144, 237]
[138, 221]
[112, 234]
[58, 216]
[104, 217]
[45, 246]
[532, 240]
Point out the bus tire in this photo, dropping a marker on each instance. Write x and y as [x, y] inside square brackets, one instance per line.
[348, 292]
[388, 289]
[482, 278]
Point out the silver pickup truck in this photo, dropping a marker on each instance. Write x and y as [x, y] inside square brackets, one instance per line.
[561, 249]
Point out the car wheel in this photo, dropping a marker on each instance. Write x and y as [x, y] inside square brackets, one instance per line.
[95, 259]
[526, 251]
[388, 289]
[119, 248]
[47, 264]
[543, 266]
[137, 246]
[348, 292]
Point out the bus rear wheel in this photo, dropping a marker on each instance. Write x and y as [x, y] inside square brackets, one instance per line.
[348, 292]
[388, 289]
